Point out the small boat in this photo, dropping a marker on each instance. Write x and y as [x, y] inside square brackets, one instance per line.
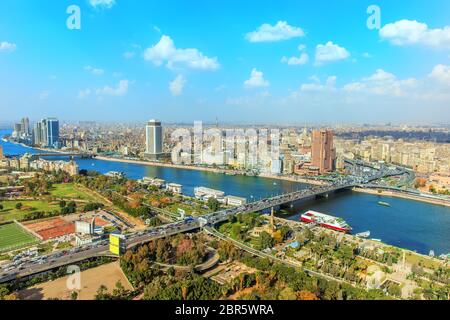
[377, 240]
[274, 183]
[381, 203]
[363, 234]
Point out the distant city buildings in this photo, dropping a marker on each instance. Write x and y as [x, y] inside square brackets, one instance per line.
[421, 156]
[22, 131]
[31, 162]
[153, 140]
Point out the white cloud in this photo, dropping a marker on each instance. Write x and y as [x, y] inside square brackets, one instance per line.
[367, 55]
[166, 52]
[107, 4]
[121, 90]
[318, 87]
[382, 83]
[84, 93]
[330, 52]
[294, 61]
[177, 85]
[7, 46]
[94, 71]
[256, 80]
[268, 33]
[407, 32]
[441, 73]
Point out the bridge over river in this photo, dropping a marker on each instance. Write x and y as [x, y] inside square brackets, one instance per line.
[189, 225]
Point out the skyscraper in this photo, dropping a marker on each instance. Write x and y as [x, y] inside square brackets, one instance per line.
[153, 139]
[52, 133]
[25, 126]
[323, 152]
[46, 133]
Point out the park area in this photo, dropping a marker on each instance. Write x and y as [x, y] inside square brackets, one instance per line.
[71, 191]
[11, 211]
[90, 281]
[13, 236]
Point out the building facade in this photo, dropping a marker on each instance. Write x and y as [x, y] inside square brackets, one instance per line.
[153, 139]
[322, 151]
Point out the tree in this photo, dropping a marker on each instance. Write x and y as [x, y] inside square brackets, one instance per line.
[1, 207]
[19, 205]
[213, 204]
[62, 204]
[265, 240]
[287, 294]
[306, 295]
[102, 293]
[74, 295]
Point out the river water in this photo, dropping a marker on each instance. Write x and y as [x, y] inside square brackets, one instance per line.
[406, 223]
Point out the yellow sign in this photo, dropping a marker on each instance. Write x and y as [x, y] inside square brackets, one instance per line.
[115, 244]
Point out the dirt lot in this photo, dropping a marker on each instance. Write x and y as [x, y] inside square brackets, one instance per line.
[91, 280]
[52, 228]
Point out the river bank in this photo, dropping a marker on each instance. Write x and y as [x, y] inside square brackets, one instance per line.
[389, 193]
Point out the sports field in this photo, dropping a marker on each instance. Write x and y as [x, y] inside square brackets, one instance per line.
[13, 236]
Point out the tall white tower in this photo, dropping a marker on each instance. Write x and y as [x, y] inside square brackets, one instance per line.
[153, 139]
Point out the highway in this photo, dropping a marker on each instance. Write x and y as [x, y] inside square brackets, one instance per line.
[99, 249]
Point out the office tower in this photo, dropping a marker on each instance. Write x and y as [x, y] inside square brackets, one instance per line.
[52, 132]
[323, 152]
[46, 133]
[25, 123]
[37, 133]
[17, 130]
[153, 138]
[44, 140]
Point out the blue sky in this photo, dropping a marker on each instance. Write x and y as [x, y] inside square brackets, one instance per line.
[248, 61]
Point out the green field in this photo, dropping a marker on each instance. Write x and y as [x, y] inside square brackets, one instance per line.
[10, 213]
[70, 191]
[13, 236]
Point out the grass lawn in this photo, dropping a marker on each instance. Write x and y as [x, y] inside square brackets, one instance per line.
[12, 236]
[10, 213]
[196, 210]
[424, 261]
[70, 191]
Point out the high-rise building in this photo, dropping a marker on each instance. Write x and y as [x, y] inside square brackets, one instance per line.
[17, 130]
[46, 133]
[153, 139]
[25, 126]
[37, 133]
[323, 152]
[52, 133]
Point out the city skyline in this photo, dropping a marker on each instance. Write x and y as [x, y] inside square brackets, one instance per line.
[281, 64]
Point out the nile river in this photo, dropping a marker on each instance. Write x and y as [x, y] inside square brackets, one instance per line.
[406, 223]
